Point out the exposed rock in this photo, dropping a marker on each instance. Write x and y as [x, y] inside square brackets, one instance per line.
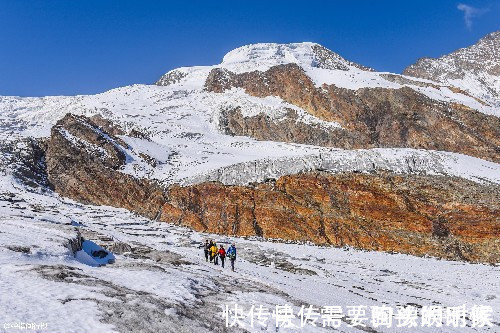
[119, 248]
[325, 58]
[444, 217]
[278, 260]
[83, 163]
[287, 129]
[157, 256]
[171, 77]
[75, 244]
[21, 249]
[375, 117]
[27, 157]
[107, 126]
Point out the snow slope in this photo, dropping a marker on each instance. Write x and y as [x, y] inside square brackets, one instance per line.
[183, 136]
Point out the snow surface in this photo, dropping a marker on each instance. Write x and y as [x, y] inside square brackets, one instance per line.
[263, 56]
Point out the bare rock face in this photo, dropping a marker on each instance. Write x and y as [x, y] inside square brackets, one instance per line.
[325, 58]
[444, 217]
[27, 156]
[171, 77]
[372, 117]
[287, 129]
[83, 162]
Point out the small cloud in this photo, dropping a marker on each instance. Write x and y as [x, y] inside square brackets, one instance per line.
[470, 13]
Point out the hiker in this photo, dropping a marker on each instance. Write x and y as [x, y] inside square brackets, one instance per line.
[222, 255]
[206, 249]
[214, 250]
[210, 255]
[231, 253]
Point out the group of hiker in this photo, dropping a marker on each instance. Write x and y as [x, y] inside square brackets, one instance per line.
[213, 253]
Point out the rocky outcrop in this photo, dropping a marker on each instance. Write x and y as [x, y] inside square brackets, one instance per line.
[171, 77]
[287, 129]
[326, 59]
[374, 117]
[27, 159]
[84, 161]
[440, 216]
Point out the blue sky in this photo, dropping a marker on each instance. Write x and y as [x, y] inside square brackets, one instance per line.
[82, 47]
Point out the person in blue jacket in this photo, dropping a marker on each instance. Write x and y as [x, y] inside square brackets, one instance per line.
[231, 254]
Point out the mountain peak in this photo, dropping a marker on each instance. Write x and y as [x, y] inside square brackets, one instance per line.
[264, 55]
[495, 35]
[261, 57]
[474, 68]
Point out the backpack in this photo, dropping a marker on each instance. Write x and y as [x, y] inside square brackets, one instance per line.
[231, 253]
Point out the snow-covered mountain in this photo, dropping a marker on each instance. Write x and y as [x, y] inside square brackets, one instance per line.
[279, 142]
[475, 69]
[326, 67]
[261, 57]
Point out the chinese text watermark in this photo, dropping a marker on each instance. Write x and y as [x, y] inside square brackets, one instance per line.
[357, 315]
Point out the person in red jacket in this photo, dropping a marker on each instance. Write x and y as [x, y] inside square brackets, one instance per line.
[222, 255]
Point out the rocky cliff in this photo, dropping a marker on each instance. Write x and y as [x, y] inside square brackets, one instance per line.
[287, 129]
[371, 117]
[83, 160]
[435, 215]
